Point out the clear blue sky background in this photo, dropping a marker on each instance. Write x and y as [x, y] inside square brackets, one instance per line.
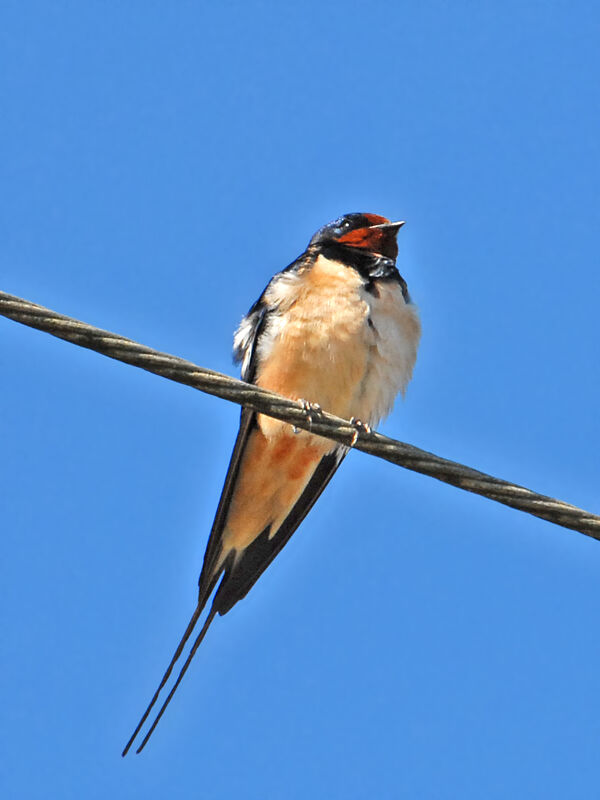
[159, 162]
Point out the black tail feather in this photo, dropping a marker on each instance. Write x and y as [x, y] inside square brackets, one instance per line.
[165, 678]
[211, 615]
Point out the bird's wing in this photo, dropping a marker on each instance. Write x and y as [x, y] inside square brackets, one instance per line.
[251, 562]
[270, 487]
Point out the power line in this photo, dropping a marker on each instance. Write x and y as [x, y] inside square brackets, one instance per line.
[405, 455]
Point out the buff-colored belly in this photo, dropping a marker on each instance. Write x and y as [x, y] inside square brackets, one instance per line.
[339, 346]
[334, 344]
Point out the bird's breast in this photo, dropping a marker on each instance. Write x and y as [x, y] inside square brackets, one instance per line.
[334, 343]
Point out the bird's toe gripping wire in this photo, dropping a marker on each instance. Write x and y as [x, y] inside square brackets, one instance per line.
[359, 427]
[308, 409]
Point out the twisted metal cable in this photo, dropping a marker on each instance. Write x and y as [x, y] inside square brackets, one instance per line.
[405, 455]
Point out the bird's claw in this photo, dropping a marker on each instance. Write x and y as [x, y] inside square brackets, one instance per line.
[309, 409]
[359, 426]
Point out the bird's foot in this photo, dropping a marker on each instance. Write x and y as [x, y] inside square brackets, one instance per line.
[309, 409]
[359, 426]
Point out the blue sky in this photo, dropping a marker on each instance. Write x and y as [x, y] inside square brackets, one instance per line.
[159, 162]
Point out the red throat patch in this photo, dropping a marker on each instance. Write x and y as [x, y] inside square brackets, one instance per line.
[373, 239]
[377, 240]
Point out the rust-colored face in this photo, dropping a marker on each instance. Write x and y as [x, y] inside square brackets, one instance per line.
[378, 236]
[366, 231]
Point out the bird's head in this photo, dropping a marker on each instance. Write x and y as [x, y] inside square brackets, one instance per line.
[367, 231]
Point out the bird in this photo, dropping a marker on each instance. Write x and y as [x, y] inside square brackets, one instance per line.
[337, 330]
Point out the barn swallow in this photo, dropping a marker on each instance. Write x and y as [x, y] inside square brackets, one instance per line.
[337, 330]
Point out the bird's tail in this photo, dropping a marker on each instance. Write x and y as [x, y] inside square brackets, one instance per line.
[188, 632]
